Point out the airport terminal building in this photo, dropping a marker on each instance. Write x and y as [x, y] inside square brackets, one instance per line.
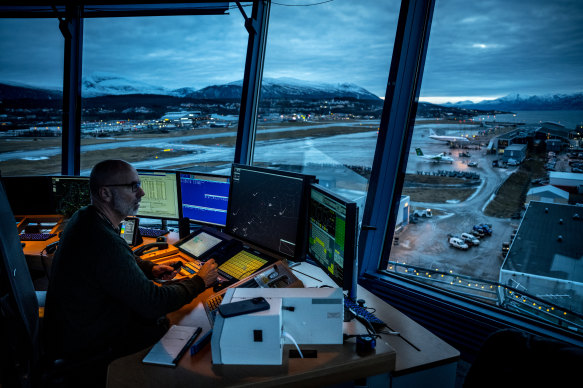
[545, 261]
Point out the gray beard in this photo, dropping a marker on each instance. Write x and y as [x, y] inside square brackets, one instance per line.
[124, 209]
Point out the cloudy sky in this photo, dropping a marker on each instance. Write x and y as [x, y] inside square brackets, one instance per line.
[477, 49]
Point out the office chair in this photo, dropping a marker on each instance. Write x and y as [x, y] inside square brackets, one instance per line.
[23, 361]
[19, 308]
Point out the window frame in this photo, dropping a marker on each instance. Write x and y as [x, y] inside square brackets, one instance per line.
[457, 319]
[461, 321]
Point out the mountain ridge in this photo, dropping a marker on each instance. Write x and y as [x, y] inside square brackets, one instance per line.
[516, 102]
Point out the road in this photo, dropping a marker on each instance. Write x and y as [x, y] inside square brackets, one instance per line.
[425, 244]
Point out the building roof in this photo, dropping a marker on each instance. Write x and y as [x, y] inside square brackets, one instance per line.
[554, 126]
[537, 248]
[549, 189]
[573, 176]
[516, 147]
[554, 129]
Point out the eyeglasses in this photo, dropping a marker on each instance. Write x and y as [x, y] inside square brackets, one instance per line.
[134, 186]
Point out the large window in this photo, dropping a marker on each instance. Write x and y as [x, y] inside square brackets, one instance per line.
[31, 107]
[500, 96]
[325, 74]
[163, 91]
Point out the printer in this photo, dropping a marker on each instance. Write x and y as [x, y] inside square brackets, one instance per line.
[300, 315]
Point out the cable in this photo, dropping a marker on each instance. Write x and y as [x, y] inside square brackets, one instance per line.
[288, 335]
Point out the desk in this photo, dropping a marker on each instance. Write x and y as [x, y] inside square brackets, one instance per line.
[413, 358]
[334, 363]
[36, 257]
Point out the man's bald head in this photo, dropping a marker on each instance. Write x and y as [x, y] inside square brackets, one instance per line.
[107, 172]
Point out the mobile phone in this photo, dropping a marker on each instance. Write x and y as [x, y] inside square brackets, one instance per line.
[130, 231]
[243, 307]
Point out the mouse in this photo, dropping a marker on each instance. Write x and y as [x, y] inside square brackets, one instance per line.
[161, 239]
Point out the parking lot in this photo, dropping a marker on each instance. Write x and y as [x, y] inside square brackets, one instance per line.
[425, 243]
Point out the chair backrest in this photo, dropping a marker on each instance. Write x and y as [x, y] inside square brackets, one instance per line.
[19, 319]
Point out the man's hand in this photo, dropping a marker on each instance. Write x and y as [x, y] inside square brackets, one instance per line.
[163, 271]
[208, 272]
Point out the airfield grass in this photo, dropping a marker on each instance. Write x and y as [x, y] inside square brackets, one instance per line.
[436, 189]
[511, 195]
[52, 165]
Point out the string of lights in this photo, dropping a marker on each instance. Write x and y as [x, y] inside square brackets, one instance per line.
[504, 296]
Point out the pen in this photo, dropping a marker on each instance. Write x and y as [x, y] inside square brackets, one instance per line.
[187, 345]
[200, 343]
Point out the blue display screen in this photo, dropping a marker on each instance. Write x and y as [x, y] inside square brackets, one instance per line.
[204, 198]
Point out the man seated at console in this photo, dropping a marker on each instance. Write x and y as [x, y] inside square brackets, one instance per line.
[101, 302]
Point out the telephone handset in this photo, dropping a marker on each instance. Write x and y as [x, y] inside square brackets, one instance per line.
[142, 250]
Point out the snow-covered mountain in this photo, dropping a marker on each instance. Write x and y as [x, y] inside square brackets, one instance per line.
[515, 102]
[101, 84]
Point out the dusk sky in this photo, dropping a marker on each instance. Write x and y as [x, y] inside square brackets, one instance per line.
[477, 49]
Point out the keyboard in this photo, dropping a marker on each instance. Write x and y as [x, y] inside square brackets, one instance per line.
[36, 236]
[189, 269]
[153, 233]
[212, 304]
[363, 313]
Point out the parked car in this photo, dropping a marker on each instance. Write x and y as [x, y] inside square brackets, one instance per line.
[505, 248]
[458, 243]
[423, 213]
[512, 162]
[477, 233]
[470, 239]
[484, 228]
[495, 163]
[473, 164]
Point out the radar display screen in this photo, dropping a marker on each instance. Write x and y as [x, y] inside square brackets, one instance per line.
[70, 194]
[267, 208]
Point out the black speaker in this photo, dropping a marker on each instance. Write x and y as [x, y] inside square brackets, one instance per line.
[183, 227]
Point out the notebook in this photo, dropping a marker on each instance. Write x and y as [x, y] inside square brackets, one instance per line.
[172, 346]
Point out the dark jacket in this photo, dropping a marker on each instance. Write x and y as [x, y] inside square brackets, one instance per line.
[99, 293]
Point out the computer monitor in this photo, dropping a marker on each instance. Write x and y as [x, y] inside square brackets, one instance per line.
[70, 193]
[332, 237]
[268, 208]
[205, 198]
[162, 195]
[29, 195]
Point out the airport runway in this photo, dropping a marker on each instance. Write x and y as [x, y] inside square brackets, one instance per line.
[422, 244]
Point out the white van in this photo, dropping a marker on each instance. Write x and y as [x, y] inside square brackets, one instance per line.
[458, 243]
[470, 239]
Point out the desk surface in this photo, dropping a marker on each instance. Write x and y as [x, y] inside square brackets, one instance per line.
[415, 349]
[333, 364]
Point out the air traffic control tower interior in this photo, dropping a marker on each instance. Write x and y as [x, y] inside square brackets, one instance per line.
[252, 216]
